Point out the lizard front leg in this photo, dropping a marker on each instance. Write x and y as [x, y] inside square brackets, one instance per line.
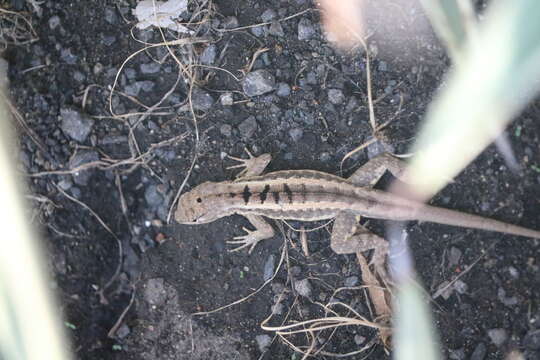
[349, 237]
[262, 231]
[253, 166]
[369, 173]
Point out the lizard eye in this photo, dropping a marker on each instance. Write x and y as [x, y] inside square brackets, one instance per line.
[199, 200]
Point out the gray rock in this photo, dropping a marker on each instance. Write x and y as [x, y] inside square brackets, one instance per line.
[296, 134]
[276, 29]
[305, 29]
[460, 286]
[258, 82]
[303, 287]
[351, 281]
[154, 291]
[383, 66]
[498, 336]
[108, 40]
[68, 57]
[226, 99]
[208, 56]
[258, 31]
[514, 273]
[277, 309]
[283, 90]
[248, 127]
[110, 16]
[152, 196]
[263, 342]
[335, 96]
[506, 300]
[359, 339]
[80, 158]
[65, 184]
[131, 74]
[136, 87]
[277, 287]
[532, 340]
[269, 266]
[75, 124]
[150, 68]
[146, 85]
[458, 354]
[202, 100]
[4, 67]
[75, 192]
[225, 130]
[454, 256]
[479, 352]
[78, 76]
[123, 331]
[54, 22]
[230, 22]
[268, 15]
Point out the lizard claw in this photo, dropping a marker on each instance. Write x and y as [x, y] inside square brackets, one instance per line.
[253, 165]
[244, 240]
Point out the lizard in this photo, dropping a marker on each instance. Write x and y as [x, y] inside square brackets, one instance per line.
[309, 195]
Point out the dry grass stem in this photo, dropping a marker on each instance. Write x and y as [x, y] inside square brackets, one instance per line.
[15, 29]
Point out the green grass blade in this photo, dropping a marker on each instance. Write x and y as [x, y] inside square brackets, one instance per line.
[498, 76]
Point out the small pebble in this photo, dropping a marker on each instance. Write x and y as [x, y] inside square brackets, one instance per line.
[498, 336]
[305, 29]
[230, 22]
[532, 340]
[335, 96]
[351, 281]
[479, 352]
[268, 15]
[258, 82]
[248, 127]
[269, 266]
[76, 124]
[208, 56]
[303, 287]
[454, 256]
[283, 90]
[150, 68]
[276, 29]
[54, 22]
[296, 134]
[263, 342]
[225, 130]
[226, 99]
[201, 100]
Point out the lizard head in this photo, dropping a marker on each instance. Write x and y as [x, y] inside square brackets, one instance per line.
[193, 206]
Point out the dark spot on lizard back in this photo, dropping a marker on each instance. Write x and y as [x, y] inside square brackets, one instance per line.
[275, 194]
[303, 192]
[231, 195]
[264, 193]
[288, 191]
[246, 194]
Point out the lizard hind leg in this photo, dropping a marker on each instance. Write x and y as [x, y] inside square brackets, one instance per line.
[252, 166]
[371, 172]
[349, 237]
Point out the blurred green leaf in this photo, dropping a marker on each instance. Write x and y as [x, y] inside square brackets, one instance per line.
[499, 74]
[414, 333]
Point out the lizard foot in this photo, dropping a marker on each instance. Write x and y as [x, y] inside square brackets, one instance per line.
[252, 166]
[250, 239]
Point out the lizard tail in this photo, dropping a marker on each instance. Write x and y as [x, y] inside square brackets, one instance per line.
[451, 217]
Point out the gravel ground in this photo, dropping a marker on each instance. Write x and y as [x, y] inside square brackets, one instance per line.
[279, 88]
